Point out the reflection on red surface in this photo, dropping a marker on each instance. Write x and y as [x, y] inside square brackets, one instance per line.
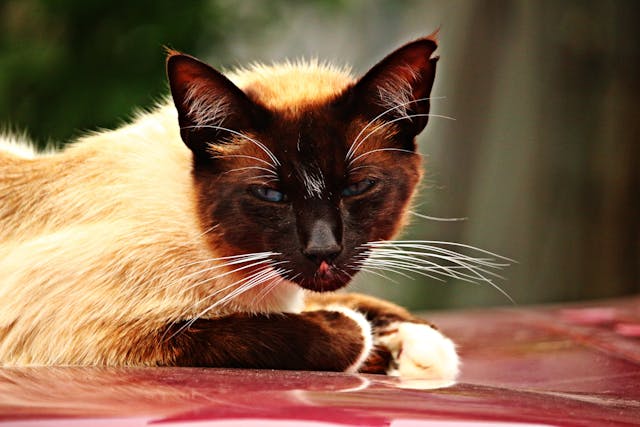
[576, 366]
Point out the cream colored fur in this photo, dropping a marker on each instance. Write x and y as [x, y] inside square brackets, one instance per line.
[102, 238]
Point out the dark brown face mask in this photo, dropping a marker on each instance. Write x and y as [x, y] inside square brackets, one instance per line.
[314, 185]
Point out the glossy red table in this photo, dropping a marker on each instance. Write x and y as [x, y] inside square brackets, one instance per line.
[564, 365]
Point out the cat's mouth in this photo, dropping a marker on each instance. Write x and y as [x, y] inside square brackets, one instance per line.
[326, 278]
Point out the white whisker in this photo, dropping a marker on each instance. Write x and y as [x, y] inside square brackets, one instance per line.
[244, 267]
[384, 276]
[246, 283]
[385, 124]
[271, 286]
[424, 258]
[234, 260]
[264, 176]
[381, 149]
[403, 243]
[243, 156]
[420, 264]
[363, 167]
[256, 281]
[458, 259]
[354, 145]
[271, 173]
[246, 257]
[421, 270]
[435, 218]
[402, 266]
[194, 318]
[259, 144]
[363, 262]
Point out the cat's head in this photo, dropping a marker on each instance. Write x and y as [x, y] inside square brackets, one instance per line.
[302, 160]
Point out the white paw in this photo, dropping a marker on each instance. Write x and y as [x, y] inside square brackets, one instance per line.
[367, 334]
[419, 351]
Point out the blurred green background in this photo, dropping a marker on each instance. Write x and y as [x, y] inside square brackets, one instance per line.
[543, 157]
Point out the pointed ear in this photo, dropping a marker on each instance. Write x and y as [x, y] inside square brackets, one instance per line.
[210, 107]
[397, 86]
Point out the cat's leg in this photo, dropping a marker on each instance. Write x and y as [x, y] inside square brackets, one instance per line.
[405, 345]
[337, 339]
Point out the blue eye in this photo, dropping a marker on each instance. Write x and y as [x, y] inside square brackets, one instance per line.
[268, 194]
[358, 188]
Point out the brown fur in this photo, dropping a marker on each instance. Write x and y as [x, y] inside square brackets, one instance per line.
[314, 340]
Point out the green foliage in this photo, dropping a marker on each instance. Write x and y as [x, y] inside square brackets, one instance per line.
[68, 66]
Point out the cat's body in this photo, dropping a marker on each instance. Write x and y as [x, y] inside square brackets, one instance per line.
[138, 247]
[80, 244]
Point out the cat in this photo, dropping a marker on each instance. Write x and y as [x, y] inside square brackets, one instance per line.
[214, 230]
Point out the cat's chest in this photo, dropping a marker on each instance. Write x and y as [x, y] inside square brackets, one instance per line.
[284, 297]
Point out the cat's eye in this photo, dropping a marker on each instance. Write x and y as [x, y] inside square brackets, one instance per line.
[358, 187]
[268, 194]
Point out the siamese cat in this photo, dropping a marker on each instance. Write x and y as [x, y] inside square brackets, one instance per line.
[214, 230]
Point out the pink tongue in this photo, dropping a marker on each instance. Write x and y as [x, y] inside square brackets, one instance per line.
[324, 268]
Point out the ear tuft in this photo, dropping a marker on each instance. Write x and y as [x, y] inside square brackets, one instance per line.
[434, 36]
[398, 87]
[207, 103]
[200, 92]
[169, 51]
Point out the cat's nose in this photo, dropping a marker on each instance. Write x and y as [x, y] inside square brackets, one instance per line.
[322, 244]
[318, 254]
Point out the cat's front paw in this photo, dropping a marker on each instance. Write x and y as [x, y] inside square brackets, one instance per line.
[418, 351]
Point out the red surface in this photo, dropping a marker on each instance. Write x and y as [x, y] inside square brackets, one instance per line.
[568, 366]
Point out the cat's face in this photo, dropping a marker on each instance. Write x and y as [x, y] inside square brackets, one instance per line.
[311, 180]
